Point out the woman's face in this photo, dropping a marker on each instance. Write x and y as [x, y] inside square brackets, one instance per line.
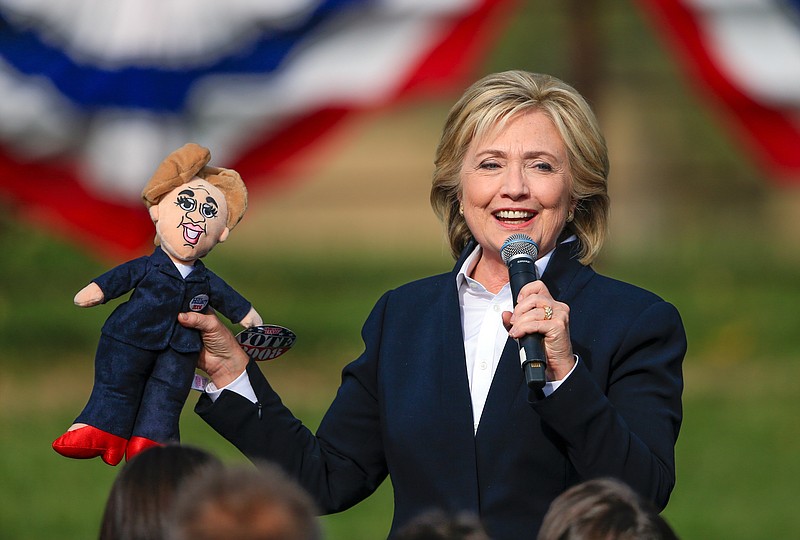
[517, 180]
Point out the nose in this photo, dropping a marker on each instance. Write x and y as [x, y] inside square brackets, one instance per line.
[195, 216]
[515, 184]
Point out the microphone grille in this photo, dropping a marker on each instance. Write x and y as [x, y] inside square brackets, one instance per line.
[519, 244]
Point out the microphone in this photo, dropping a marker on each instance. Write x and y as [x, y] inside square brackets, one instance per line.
[519, 252]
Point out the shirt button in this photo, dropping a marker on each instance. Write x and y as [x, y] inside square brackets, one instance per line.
[496, 308]
[483, 365]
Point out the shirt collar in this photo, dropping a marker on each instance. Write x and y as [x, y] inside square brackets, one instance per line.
[184, 269]
[472, 259]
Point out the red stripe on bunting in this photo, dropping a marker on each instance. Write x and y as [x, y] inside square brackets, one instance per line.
[445, 67]
[51, 195]
[769, 131]
[448, 65]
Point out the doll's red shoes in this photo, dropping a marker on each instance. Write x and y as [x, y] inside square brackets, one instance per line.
[88, 442]
[138, 445]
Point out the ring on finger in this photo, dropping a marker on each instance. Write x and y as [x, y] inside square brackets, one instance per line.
[548, 313]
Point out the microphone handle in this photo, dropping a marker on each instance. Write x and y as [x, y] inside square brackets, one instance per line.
[521, 271]
[534, 364]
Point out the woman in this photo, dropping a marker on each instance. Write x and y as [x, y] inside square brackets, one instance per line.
[437, 399]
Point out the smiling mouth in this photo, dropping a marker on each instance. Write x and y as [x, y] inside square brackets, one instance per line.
[514, 216]
[191, 234]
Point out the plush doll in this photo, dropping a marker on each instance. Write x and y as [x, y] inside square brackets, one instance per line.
[145, 360]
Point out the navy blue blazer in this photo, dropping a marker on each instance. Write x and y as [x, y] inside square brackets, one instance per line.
[404, 409]
[149, 319]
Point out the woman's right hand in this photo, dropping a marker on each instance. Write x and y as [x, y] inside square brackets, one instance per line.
[221, 357]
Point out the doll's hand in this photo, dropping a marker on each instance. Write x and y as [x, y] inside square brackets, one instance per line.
[89, 296]
[251, 319]
[221, 357]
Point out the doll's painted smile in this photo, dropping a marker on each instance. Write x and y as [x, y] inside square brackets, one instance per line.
[191, 233]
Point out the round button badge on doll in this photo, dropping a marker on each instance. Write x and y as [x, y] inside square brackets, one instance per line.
[266, 342]
[199, 302]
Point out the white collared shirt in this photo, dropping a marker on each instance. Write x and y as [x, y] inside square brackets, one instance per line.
[485, 335]
[183, 269]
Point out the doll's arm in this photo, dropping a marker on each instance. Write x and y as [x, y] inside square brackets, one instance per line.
[251, 319]
[113, 283]
[89, 296]
[230, 303]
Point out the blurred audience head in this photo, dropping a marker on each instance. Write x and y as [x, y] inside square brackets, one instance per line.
[603, 509]
[438, 525]
[245, 503]
[141, 498]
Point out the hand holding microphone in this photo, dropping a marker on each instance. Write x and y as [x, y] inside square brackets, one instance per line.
[519, 253]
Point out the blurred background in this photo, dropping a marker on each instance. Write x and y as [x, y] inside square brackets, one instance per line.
[332, 110]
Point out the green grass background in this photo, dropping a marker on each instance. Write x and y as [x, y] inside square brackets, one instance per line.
[693, 219]
[736, 456]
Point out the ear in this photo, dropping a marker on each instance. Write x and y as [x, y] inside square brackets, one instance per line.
[154, 213]
[224, 236]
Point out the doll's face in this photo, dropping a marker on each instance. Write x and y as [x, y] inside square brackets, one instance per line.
[191, 220]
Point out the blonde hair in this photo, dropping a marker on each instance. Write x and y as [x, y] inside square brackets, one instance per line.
[489, 103]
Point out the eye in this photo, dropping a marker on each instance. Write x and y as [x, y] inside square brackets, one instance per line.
[186, 204]
[208, 210]
[543, 166]
[489, 165]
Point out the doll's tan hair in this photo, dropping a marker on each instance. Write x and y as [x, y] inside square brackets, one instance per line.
[189, 161]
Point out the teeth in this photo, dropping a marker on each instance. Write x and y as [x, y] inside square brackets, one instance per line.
[192, 234]
[514, 214]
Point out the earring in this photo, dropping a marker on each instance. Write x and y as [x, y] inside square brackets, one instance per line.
[570, 216]
[461, 208]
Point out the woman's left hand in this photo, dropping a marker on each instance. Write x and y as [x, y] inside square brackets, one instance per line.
[537, 312]
[221, 357]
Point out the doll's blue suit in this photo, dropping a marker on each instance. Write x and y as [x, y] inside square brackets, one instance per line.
[145, 359]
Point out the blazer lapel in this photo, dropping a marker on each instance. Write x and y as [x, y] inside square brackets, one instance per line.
[455, 398]
[507, 387]
[199, 272]
[165, 264]
[563, 277]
